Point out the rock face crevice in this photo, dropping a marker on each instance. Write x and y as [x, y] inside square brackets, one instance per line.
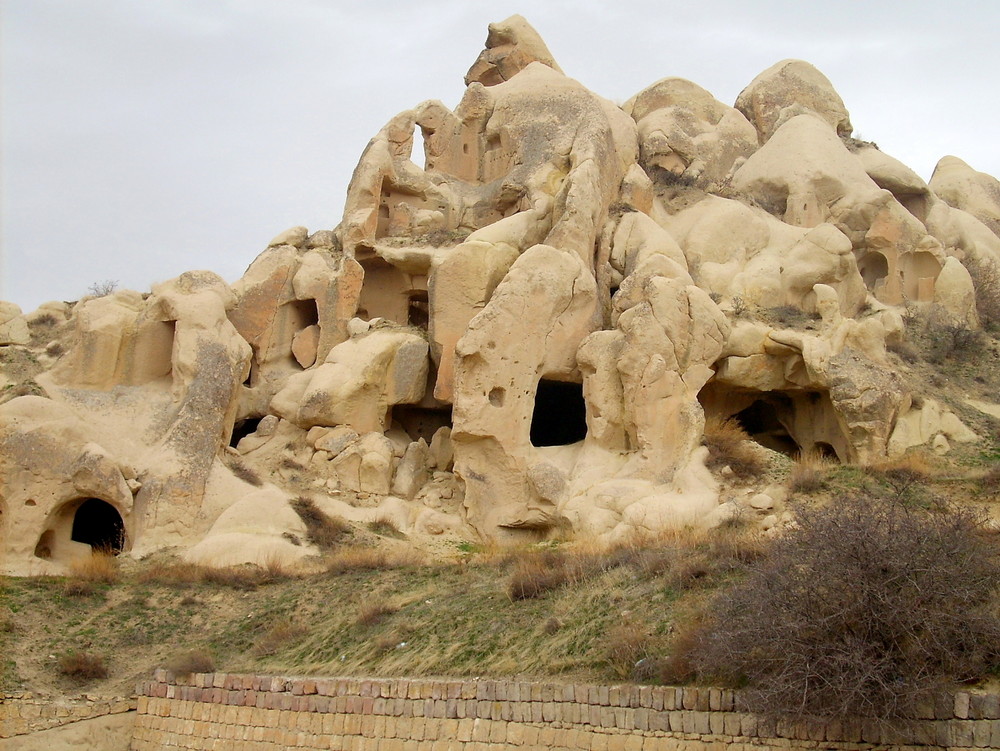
[520, 337]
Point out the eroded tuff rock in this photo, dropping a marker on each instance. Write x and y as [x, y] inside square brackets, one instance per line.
[523, 336]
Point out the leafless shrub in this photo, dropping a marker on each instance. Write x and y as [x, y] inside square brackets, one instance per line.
[986, 279]
[990, 480]
[865, 608]
[324, 531]
[950, 339]
[739, 306]
[103, 289]
[191, 661]
[730, 445]
[83, 666]
[903, 475]
[45, 320]
[677, 666]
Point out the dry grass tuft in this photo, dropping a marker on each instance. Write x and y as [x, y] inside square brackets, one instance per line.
[99, 567]
[729, 445]
[627, 645]
[239, 468]
[809, 472]
[346, 560]
[171, 573]
[324, 531]
[191, 661]
[83, 666]
[384, 527]
[79, 588]
[278, 637]
[537, 572]
[902, 475]
[374, 612]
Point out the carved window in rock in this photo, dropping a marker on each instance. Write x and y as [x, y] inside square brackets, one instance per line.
[559, 417]
[873, 267]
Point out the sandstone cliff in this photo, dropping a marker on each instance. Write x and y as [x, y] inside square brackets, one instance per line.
[519, 338]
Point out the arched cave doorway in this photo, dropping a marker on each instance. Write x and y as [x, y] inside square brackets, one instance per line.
[761, 423]
[873, 267]
[97, 523]
[560, 414]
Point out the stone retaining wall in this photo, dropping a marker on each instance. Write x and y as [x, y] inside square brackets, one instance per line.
[25, 712]
[243, 712]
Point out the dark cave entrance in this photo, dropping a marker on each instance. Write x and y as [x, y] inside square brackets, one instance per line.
[243, 428]
[418, 312]
[560, 414]
[420, 422]
[98, 524]
[760, 421]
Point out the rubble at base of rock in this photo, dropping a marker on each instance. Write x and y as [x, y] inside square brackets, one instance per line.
[523, 337]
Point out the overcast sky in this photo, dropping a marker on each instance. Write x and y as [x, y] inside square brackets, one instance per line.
[144, 138]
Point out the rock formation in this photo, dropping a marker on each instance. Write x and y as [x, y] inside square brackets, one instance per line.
[520, 338]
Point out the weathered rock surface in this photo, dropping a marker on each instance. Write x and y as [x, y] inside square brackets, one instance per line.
[522, 337]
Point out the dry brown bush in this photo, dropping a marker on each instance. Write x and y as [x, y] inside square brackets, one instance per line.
[98, 567]
[627, 645]
[374, 612]
[949, 339]
[324, 531]
[678, 666]
[191, 661]
[346, 560]
[730, 445]
[537, 572]
[990, 480]
[277, 637]
[865, 608]
[83, 666]
[986, 279]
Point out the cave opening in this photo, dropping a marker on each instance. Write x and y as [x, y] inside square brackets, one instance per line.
[97, 523]
[825, 450]
[420, 422]
[303, 313]
[418, 312]
[760, 421]
[243, 428]
[559, 417]
[873, 267]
